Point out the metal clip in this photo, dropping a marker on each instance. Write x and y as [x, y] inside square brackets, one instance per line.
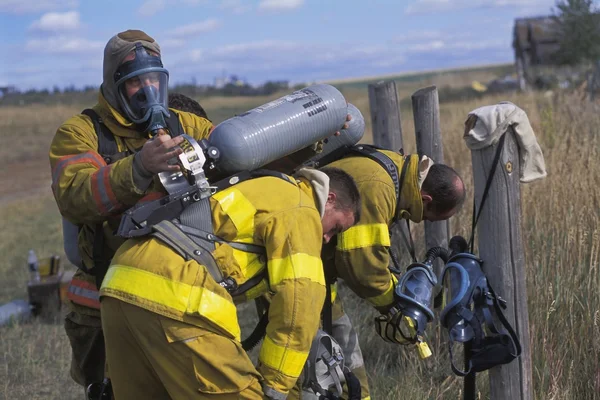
[229, 284]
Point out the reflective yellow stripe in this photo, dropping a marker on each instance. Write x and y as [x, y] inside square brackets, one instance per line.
[299, 265]
[257, 290]
[287, 361]
[250, 263]
[333, 287]
[387, 297]
[240, 210]
[360, 236]
[184, 298]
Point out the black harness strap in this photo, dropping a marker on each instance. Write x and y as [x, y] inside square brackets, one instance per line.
[488, 184]
[327, 314]
[109, 151]
[107, 145]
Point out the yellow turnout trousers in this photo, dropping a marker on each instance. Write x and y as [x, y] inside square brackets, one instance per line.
[174, 360]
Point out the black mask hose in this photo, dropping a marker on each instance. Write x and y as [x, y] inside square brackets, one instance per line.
[458, 244]
[436, 252]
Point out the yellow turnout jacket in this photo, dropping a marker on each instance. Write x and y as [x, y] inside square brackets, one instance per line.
[361, 255]
[270, 212]
[88, 191]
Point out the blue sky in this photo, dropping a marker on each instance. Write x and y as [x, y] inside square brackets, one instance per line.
[60, 42]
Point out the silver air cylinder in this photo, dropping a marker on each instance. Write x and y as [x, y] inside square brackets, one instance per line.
[278, 128]
[348, 137]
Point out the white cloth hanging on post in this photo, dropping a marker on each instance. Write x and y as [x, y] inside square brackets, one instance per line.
[485, 125]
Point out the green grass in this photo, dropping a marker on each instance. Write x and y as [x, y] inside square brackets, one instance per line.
[561, 238]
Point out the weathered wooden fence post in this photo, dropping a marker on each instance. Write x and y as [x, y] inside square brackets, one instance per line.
[385, 115]
[500, 246]
[387, 129]
[426, 113]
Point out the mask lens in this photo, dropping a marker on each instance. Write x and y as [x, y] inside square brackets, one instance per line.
[453, 285]
[144, 93]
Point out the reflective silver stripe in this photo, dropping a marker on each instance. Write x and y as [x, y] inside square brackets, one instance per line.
[273, 394]
[87, 157]
[87, 293]
[103, 192]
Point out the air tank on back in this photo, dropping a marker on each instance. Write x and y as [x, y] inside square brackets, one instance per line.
[347, 138]
[278, 128]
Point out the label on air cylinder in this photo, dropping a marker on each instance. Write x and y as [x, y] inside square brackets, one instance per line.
[292, 98]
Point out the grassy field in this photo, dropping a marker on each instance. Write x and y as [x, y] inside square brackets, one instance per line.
[561, 233]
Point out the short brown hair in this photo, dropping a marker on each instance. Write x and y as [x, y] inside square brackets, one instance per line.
[184, 103]
[345, 189]
[446, 188]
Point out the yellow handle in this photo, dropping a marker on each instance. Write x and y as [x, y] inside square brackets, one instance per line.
[423, 349]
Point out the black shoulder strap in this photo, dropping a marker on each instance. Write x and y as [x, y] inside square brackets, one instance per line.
[107, 146]
[388, 164]
[261, 173]
[174, 125]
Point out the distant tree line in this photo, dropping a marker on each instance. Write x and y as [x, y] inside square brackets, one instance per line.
[578, 24]
[88, 94]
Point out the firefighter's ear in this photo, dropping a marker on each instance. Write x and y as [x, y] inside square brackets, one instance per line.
[425, 198]
[331, 198]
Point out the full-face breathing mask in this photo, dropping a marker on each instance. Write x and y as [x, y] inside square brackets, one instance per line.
[142, 87]
[407, 320]
[470, 310]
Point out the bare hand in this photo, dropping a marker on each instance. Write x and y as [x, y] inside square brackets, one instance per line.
[346, 125]
[157, 152]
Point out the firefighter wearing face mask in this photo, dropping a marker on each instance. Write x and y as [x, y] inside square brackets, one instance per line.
[93, 189]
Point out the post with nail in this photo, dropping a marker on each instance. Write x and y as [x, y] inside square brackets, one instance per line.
[501, 247]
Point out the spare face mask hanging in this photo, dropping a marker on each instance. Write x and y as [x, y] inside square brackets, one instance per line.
[470, 308]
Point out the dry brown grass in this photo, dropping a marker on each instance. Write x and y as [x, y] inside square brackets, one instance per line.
[561, 233]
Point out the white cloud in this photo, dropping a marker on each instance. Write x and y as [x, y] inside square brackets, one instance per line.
[235, 6]
[439, 6]
[196, 55]
[280, 59]
[63, 45]
[279, 5]
[151, 7]
[440, 47]
[171, 43]
[35, 6]
[57, 22]
[260, 48]
[194, 29]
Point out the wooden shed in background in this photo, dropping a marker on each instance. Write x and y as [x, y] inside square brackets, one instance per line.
[535, 42]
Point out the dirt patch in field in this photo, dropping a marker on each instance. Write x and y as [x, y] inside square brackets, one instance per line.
[24, 179]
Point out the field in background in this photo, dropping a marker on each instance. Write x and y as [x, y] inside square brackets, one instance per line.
[561, 230]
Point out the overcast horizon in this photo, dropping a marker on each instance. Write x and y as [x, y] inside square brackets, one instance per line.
[48, 43]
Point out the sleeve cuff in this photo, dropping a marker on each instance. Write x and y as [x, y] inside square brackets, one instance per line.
[142, 178]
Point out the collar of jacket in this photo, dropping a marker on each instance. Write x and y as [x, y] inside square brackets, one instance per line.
[411, 203]
[320, 186]
[115, 122]
[306, 186]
